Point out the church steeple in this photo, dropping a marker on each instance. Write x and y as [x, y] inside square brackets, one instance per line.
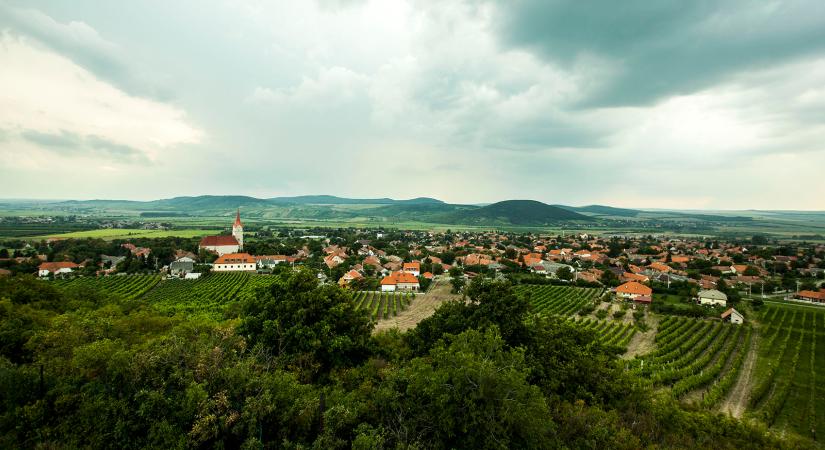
[237, 229]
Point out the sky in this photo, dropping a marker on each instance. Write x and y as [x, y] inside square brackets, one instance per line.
[665, 104]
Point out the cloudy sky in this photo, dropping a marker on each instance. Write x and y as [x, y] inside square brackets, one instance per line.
[701, 104]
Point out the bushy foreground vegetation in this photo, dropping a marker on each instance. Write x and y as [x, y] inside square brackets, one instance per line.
[300, 368]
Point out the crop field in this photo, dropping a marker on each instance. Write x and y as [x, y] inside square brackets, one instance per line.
[788, 390]
[699, 360]
[383, 305]
[127, 286]
[610, 332]
[128, 233]
[211, 294]
[558, 300]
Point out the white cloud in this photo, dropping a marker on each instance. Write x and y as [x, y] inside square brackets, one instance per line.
[53, 95]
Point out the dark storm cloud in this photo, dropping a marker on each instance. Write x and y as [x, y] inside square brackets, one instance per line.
[67, 143]
[664, 48]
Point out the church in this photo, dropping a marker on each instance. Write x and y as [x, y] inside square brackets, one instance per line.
[224, 244]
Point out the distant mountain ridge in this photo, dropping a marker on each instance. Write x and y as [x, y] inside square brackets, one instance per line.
[513, 212]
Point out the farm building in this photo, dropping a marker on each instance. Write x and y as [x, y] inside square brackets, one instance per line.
[235, 262]
[181, 266]
[812, 296]
[399, 281]
[733, 316]
[635, 291]
[712, 297]
[56, 268]
[270, 261]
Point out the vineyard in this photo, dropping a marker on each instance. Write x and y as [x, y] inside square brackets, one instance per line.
[612, 333]
[211, 294]
[788, 390]
[557, 300]
[383, 305]
[699, 360]
[126, 286]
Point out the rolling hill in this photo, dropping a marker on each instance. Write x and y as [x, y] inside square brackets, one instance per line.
[511, 212]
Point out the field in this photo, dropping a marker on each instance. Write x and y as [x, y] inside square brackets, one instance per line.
[698, 360]
[557, 300]
[127, 233]
[383, 305]
[610, 332]
[788, 389]
[127, 286]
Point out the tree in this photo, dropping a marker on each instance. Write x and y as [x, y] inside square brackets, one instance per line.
[309, 328]
[564, 273]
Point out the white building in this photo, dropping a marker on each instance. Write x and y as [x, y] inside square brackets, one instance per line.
[712, 297]
[235, 262]
[56, 268]
[224, 244]
[733, 316]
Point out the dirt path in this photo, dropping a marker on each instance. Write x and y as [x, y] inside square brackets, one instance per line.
[737, 399]
[422, 306]
[642, 343]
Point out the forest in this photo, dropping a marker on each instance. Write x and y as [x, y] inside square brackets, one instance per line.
[297, 365]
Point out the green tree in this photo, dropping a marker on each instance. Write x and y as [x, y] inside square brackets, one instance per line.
[309, 328]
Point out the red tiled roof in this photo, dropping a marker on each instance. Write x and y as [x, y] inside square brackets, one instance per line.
[53, 266]
[217, 241]
[812, 294]
[632, 287]
[235, 258]
[399, 277]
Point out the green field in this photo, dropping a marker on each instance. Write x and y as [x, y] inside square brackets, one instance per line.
[127, 286]
[610, 332]
[383, 305]
[126, 233]
[699, 360]
[557, 300]
[788, 389]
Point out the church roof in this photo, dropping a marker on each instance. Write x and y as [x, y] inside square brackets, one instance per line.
[215, 241]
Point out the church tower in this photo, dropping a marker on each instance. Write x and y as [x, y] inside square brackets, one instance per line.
[237, 230]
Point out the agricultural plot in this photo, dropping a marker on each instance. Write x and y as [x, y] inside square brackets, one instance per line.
[610, 332]
[788, 391]
[557, 300]
[126, 286]
[383, 305]
[698, 360]
[211, 294]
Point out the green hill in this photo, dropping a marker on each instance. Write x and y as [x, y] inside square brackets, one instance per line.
[512, 212]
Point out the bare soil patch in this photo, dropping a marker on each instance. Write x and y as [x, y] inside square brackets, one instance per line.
[423, 306]
[737, 400]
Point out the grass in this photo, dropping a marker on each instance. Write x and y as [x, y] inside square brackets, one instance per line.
[126, 233]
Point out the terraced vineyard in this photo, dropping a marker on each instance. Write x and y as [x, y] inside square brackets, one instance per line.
[383, 305]
[127, 286]
[699, 360]
[558, 300]
[788, 390]
[610, 332]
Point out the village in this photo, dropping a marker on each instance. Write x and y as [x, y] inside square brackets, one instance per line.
[667, 273]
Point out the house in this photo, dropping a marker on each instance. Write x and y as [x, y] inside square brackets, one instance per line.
[56, 268]
[270, 261]
[733, 316]
[538, 269]
[659, 267]
[399, 281]
[235, 262]
[712, 297]
[225, 244]
[333, 260]
[630, 276]
[349, 277]
[633, 290]
[412, 267]
[181, 266]
[428, 275]
[812, 296]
